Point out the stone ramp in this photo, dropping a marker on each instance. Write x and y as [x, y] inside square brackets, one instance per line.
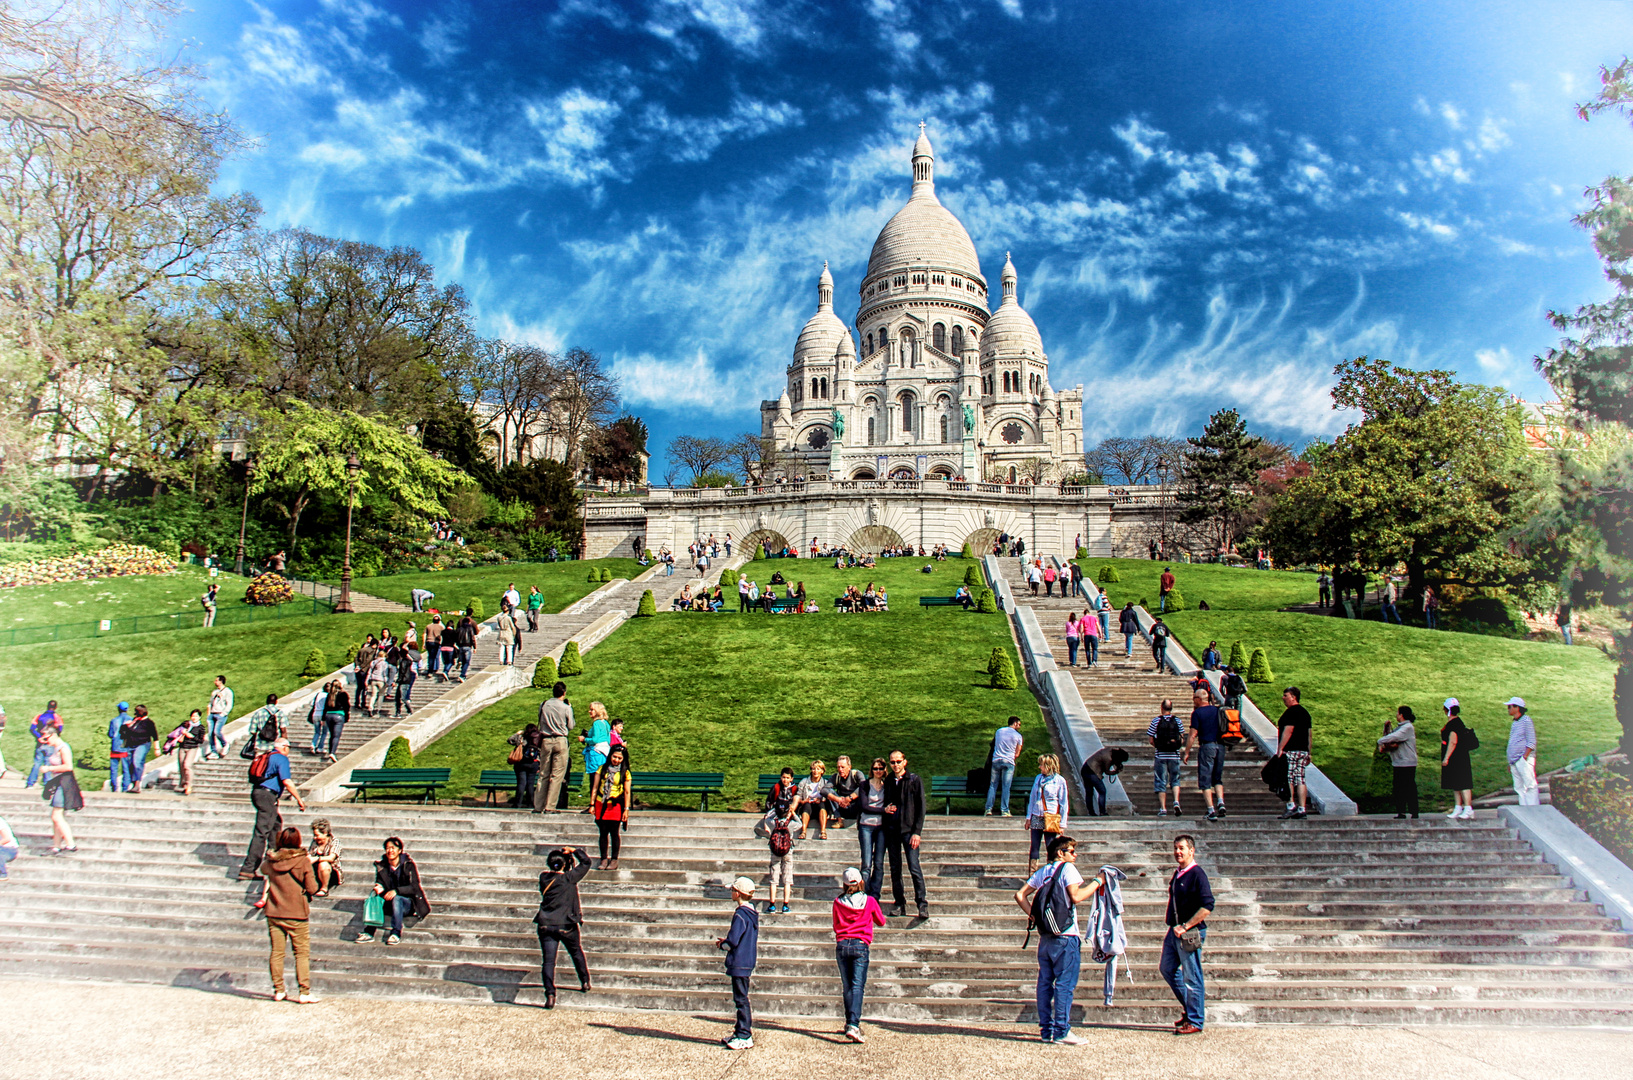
[1349, 920]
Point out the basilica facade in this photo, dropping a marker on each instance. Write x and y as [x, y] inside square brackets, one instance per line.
[933, 384]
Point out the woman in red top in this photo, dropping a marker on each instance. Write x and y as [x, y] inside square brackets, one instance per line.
[609, 805]
[855, 915]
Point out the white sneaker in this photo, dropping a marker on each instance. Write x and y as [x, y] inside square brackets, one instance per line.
[309, 999]
[1457, 812]
[278, 995]
[1468, 813]
[1071, 1040]
[854, 1034]
[739, 1044]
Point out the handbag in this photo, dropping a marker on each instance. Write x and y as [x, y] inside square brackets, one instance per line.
[1051, 823]
[1191, 942]
[516, 754]
[374, 910]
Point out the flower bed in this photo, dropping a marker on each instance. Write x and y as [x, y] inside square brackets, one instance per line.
[115, 560]
[268, 589]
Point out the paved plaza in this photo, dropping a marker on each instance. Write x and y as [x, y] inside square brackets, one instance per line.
[246, 1037]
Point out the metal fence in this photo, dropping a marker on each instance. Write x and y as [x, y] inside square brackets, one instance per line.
[147, 624]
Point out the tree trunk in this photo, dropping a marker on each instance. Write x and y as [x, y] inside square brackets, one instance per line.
[302, 499]
[1416, 579]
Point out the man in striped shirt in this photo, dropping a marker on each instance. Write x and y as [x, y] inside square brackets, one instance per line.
[1522, 752]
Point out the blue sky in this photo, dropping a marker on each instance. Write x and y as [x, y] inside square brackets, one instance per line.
[1209, 204]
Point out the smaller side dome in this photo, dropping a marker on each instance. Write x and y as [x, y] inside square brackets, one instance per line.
[1011, 332]
[823, 330]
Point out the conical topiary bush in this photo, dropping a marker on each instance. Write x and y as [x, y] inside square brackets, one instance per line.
[1004, 678]
[994, 660]
[972, 577]
[1258, 668]
[1108, 575]
[1238, 656]
[593, 576]
[1082, 552]
[1175, 601]
[316, 665]
[475, 608]
[760, 553]
[571, 662]
[966, 552]
[728, 581]
[606, 574]
[987, 602]
[648, 607]
[544, 674]
[398, 754]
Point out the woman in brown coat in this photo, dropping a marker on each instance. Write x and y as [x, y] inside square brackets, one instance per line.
[289, 885]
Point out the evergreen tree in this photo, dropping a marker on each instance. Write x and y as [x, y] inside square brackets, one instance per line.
[316, 665]
[571, 662]
[987, 602]
[1004, 678]
[972, 577]
[966, 552]
[398, 754]
[1258, 668]
[1238, 657]
[648, 607]
[1218, 468]
[544, 673]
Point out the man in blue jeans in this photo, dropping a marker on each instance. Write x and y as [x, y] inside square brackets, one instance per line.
[1190, 902]
[1060, 956]
[1167, 736]
[1006, 748]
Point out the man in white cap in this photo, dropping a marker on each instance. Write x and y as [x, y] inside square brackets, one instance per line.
[742, 947]
[1522, 752]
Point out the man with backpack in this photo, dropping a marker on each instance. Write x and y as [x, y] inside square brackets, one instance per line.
[1050, 898]
[269, 780]
[1168, 738]
[1159, 642]
[1207, 731]
[1233, 688]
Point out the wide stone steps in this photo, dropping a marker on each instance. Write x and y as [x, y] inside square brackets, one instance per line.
[1352, 920]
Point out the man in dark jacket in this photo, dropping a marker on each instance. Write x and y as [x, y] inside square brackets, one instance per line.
[904, 820]
[742, 947]
[465, 641]
[397, 882]
[1129, 625]
[1159, 643]
[560, 917]
[264, 796]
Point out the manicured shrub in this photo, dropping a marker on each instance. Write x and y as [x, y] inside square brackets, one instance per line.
[351, 652]
[648, 556]
[1004, 678]
[1145, 603]
[1601, 802]
[972, 577]
[1238, 656]
[728, 581]
[606, 574]
[1175, 602]
[1082, 553]
[1258, 668]
[571, 662]
[268, 589]
[544, 673]
[593, 576]
[1108, 575]
[987, 602]
[760, 553]
[398, 754]
[994, 660]
[474, 606]
[648, 607]
[315, 664]
[966, 552]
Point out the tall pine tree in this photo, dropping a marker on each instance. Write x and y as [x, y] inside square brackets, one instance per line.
[1218, 470]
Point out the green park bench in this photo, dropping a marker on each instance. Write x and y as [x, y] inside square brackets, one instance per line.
[782, 603]
[496, 780]
[424, 781]
[948, 788]
[702, 784]
[939, 601]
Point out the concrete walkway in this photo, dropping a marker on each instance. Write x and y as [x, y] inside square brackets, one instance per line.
[249, 1037]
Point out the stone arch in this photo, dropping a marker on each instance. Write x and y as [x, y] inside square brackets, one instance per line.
[903, 472]
[865, 472]
[981, 541]
[941, 471]
[771, 538]
[874, 538]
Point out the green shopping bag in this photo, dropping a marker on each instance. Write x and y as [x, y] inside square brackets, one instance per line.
[374, 910]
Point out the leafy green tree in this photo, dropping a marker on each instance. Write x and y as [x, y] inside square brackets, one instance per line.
[1217, 471]
[615, 452]
[549, 488]
[1434, 477]
[1584, 524]
[303, 452]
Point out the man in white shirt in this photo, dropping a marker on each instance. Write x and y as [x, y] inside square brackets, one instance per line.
[512, 597]
[1006, 749]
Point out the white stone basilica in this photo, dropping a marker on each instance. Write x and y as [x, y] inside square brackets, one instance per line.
[942, 388]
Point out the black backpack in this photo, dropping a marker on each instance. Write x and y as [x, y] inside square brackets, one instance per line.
[1052, 906]
[1169, 735]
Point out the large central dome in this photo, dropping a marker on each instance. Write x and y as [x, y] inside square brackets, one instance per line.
[924, 232]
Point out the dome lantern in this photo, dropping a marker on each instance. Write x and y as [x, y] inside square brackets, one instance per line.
[825, 289]
[924, 166]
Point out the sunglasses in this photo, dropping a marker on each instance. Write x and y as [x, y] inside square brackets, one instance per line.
[878, 768]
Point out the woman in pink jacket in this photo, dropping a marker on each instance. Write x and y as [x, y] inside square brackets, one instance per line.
[855, 915]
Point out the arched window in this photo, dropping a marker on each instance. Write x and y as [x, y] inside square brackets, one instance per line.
[814, 388]
[1012, 474]
[1006, 382]
[943, 429]
[958, 340]
[872, 439]
[824, 387]
[939, 336]
[870, 343]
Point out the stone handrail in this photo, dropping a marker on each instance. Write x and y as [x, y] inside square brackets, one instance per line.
[927, 486]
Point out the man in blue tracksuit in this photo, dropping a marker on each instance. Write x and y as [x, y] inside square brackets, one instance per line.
[119, 778]
[742, 945]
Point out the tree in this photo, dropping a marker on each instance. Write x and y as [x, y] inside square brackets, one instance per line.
[1258, 668]
[518, 383]
[1129, 461]
[699, 454]
[615, 452]
[585, 399]
[399, 755]
[547, 487]
[648, 607]
[1218, 468]
[544, 673]
[303, 453]
[572, 662]
[1583, 525]
[1433, 477]
[758, 459]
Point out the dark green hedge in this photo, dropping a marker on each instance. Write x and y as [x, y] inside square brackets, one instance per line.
[1601, 802]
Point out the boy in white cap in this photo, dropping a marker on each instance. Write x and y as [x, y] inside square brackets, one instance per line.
[742, 947]
[1522, 752]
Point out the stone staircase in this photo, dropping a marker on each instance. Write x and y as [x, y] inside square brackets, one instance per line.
[1350, 920]
[225, 778]
[1123, 694]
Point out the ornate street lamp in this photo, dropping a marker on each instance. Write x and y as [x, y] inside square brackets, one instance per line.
[243, 520]
[344, 606]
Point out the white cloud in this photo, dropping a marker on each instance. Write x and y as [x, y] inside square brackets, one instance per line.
[574, 126]
[697, 138]
[1445, 164]
[1012, 8]
[1495, 363]
[1420, 223]
[1491, 135]
[691, 383]
[739, 23]
[1453, 116]
[442, 39]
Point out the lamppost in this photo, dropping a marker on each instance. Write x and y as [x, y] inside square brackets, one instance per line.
[243, 520]
[344, 606]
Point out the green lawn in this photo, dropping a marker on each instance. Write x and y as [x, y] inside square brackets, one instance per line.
[900, 578]
[561, 582]
[114, 598]
[1353, 673]
[1225, 588]
[746, 694]
[170, 673]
